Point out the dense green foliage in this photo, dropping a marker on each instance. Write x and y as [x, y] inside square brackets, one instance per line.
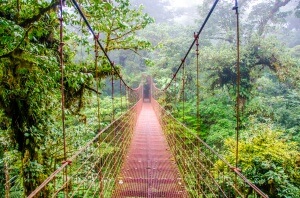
[269, 94]
[30, 111]
[30, 81]
[268, 159]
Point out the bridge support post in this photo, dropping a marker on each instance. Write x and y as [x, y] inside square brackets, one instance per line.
[238, 82]
[100, 184]
[100, 165]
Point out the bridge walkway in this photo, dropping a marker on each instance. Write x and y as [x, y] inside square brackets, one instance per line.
[149, 169]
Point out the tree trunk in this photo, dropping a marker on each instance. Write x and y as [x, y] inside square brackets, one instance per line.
[7, 178]
[30, 174]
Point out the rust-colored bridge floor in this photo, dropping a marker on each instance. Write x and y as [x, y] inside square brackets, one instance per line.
[149, 169]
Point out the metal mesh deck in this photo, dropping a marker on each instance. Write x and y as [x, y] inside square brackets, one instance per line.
[149, 169]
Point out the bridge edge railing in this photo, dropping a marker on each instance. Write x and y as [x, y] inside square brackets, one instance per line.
[135, 109]
[161, 112]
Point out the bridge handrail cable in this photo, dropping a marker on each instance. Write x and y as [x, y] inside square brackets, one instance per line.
[254, 187]
[79, 152]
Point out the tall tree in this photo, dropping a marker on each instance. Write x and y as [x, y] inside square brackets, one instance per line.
[259, 50]
[29, 77]
[28, 82]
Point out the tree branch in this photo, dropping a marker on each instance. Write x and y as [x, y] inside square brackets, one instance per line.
[41, 12]
[93, 90]
[21, 41]
[131, 31]
[230, 40]
[278, 4]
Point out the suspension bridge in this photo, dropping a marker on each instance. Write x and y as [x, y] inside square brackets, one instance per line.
[146, 152]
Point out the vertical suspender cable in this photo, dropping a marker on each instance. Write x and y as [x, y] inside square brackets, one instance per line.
[121, 94]
[183, 91]
[198, 109]
[175, 89]
[190, 48]
[198, 83]
[112, 93]
[175, 86]
[127, 97]
[98, 109]
[77, 7]
[97, 82]
[238, 82]
[61, 56]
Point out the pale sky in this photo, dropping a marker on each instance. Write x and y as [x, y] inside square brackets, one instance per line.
[187, 17]
[184, 3]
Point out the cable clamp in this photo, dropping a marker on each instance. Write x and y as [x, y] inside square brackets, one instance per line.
[96, 37]
[235, 169]
[69, 162]
[196, 36]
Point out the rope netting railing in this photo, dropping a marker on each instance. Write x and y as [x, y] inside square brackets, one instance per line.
[205, 172]
[155, 91]
[92, 170]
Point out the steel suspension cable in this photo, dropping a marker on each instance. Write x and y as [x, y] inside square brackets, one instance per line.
[193, 43]
[100, 45]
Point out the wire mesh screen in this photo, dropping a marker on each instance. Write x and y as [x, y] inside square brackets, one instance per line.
[92, 171]
[205, 172]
